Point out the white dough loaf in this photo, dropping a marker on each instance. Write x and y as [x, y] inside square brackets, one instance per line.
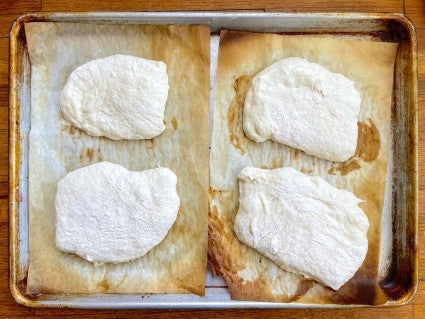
[119, 97]
[302, 223]
[106, 213]
[305, 106]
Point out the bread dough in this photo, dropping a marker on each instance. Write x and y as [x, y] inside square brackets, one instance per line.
[302, 223]
[305, 106]
[120, 97]
[105, 213]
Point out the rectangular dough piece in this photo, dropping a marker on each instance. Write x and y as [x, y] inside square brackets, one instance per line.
[370, 64]
[178, 263]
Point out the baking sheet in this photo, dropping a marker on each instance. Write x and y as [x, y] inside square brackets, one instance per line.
[399, 276]
[178, 263]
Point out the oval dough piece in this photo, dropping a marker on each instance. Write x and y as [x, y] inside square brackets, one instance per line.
[303, 105]
[302, 223]
[119, 97]
[106, 213]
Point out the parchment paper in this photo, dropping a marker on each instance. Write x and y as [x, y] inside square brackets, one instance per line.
[178, 264]
[249, 275]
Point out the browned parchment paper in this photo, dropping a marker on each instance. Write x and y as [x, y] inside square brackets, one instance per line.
[249, 275]
[178, 264]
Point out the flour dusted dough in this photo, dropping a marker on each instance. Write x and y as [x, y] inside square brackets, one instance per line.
[305, 106]
[302, 223]
[105, 213]
[120, 97]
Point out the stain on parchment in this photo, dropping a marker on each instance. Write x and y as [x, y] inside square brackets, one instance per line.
[72, 130]
[235, 113]
[90, 155]
[368, 145]
[104, 284]
[174, 123]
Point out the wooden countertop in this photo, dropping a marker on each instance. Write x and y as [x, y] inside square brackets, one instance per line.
[10, 9]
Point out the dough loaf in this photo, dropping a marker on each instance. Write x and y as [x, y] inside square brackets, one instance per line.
[305, 106]
[105, 213]
[120, 97]
[302, 223]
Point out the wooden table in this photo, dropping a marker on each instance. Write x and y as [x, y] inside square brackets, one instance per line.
[10, 9]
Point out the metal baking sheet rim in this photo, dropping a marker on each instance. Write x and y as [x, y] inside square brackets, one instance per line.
[239, 20]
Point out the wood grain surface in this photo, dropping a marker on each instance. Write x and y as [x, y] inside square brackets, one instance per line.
[10, 9]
